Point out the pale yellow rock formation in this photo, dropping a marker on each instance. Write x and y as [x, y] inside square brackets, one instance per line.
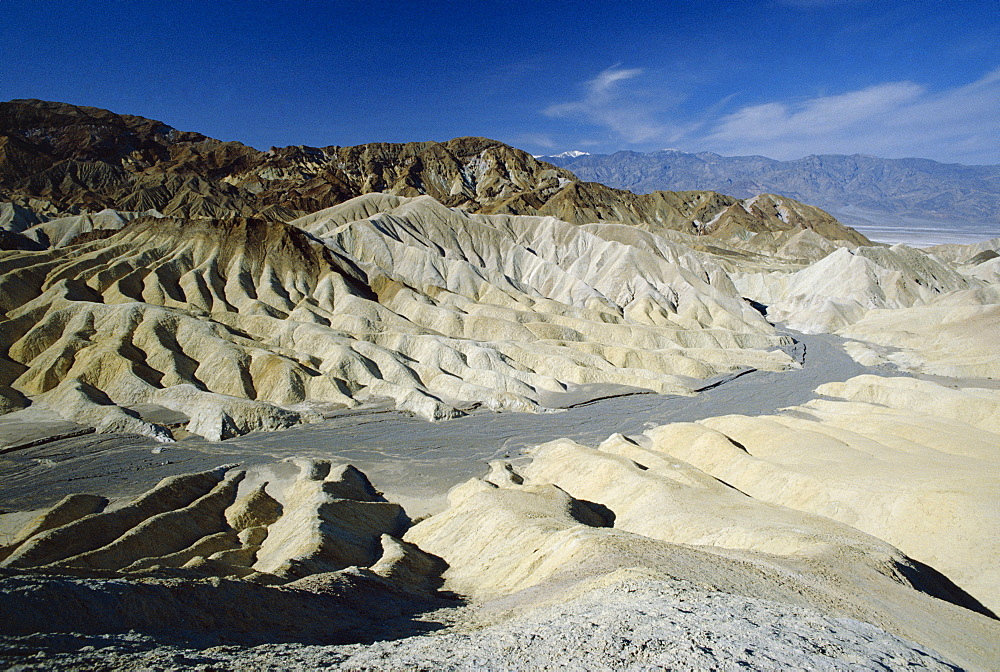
[100, 529]
[186, 557]
[526, 543]
[954, 336]
[274, 524]
[987, 271]
[574, 521]
[332, 518]
[64, 231]
[67, 510]
[964, 253]
[898, 306]
[908, 461]
[237, 324]
[840, 288]
[945, 329]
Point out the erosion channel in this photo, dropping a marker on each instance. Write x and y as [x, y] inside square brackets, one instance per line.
[414, 461]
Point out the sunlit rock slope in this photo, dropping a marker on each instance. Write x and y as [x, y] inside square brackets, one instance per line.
[874, 504]
[935, 311]
[238, 323]
[300, 550]
[147, 267]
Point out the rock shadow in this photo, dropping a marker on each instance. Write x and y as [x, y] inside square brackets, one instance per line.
[928, 580]
[757, 305]
[593, 514]
[351, 606]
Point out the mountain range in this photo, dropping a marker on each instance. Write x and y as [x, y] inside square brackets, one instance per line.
[58, 159]
[856, 188]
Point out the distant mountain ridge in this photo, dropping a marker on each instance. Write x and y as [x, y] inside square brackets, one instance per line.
[58, 159]
[846, 185]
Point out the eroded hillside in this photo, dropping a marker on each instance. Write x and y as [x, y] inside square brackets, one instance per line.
[58, 159]
[247, 324]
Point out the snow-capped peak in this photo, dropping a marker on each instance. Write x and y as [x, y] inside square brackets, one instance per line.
[572, 154]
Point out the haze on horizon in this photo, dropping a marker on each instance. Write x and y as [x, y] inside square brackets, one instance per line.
[779, 78]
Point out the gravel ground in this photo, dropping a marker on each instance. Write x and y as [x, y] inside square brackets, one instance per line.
[634, 624]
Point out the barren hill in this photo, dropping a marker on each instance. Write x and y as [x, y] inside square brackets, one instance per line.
[59, 159]
[231, 322]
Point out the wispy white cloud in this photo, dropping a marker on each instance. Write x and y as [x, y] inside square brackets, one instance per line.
[533, 140]
[892, 119]
[606, 104]
[816, 117]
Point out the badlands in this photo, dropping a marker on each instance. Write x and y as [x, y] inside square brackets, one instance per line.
[443, 405]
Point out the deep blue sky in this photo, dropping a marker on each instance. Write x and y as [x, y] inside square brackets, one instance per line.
[782, 78]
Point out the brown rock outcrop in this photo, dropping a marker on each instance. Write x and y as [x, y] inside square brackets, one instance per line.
[64, 159]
